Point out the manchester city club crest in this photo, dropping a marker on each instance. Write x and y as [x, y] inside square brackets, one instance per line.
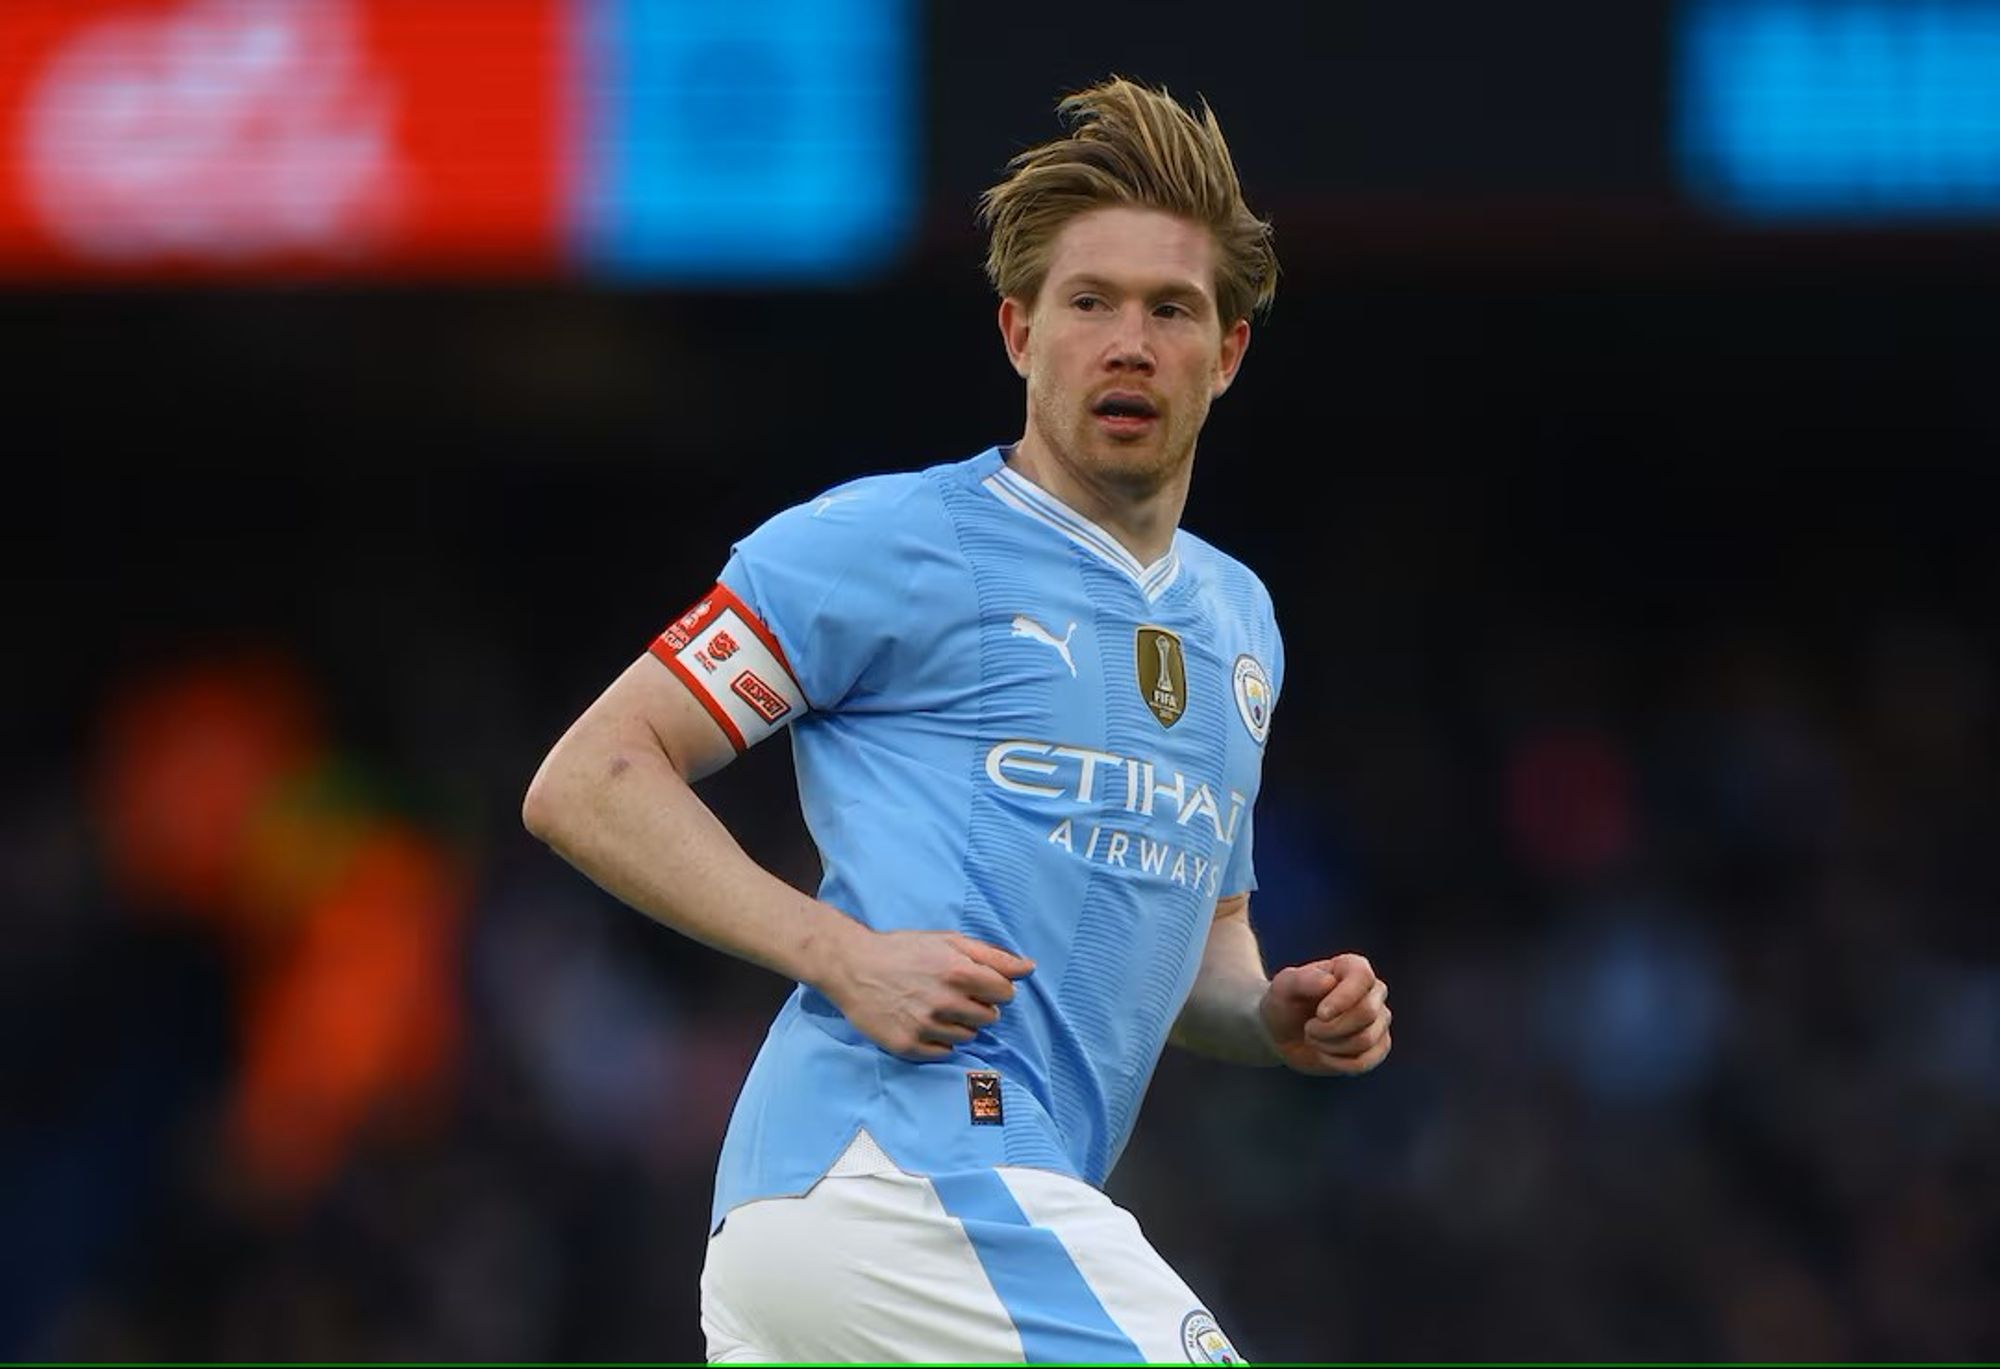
[1254, 697]
[1162, 673]
[1204, 1342]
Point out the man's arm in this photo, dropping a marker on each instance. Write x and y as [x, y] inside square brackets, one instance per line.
[1326, 1017]
[614, 799]
[1220, 1018]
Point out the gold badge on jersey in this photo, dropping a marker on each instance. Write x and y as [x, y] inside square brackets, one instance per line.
[1162, 674]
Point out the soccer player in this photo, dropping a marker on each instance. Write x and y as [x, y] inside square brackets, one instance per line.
[1028, 716]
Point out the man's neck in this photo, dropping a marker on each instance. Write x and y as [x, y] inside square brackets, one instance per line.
[1143, 521]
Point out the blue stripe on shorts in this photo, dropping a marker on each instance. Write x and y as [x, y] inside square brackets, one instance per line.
[1057, 1314]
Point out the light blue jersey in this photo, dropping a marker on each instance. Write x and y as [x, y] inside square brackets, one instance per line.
[1002, 725]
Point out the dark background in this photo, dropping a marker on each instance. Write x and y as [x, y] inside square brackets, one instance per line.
[1638, 583]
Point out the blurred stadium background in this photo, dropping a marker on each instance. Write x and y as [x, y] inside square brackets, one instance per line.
[383, 373]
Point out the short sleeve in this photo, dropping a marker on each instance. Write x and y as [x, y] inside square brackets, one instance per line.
[804, 606]
[823, 576]
[1239, 872]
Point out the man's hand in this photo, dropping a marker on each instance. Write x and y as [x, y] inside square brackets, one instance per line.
[919, 994]
[1328, 1017]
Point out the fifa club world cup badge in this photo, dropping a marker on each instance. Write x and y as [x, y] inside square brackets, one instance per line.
[982, 1097]
[1162, 671]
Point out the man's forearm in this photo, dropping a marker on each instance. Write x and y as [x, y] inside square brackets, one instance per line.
[617, 809]
[1221, 1018]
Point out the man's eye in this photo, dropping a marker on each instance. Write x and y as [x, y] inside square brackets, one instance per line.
[1088, 302]
[1173, 311]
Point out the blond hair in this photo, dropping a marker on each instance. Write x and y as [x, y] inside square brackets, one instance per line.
[1128, 145]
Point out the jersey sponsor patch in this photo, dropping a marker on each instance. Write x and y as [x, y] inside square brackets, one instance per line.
[730, 662]
[982, 1097]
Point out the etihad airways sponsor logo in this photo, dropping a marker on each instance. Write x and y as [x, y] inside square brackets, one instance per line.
[1137, 851]
[1128, 784]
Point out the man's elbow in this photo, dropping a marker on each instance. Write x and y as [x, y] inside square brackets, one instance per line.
[543, 807]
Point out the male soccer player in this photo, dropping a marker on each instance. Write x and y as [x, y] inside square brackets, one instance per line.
[1028, 715]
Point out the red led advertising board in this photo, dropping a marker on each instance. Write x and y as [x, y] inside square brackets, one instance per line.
[171, 138]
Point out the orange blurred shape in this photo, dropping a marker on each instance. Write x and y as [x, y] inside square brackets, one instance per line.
[360, 1016]
[187, 755]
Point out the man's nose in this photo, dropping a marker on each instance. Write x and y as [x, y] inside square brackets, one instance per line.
[1131, 344]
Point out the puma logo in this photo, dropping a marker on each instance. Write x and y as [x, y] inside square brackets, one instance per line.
[1024, 626]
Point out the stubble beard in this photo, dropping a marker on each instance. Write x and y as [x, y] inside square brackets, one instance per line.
[1137, 469]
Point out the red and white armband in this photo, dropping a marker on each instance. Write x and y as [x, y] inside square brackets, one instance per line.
[730, 661]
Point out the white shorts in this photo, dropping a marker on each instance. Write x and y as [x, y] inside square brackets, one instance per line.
[1004, 1265]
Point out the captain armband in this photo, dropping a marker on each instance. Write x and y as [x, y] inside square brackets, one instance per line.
[730, 661]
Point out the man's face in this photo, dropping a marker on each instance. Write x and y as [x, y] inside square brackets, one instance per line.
[1122, 350]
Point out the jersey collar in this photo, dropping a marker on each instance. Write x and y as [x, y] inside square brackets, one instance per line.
[1020, 493]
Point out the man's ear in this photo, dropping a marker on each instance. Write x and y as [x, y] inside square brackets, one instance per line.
[1235, 342]
[1014, 332]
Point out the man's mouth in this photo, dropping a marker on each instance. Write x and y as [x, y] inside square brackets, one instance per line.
[1125, 414]
[1125, 406]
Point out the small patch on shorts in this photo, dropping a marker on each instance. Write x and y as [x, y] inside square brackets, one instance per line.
[1204, 1342]
[982, 1097]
